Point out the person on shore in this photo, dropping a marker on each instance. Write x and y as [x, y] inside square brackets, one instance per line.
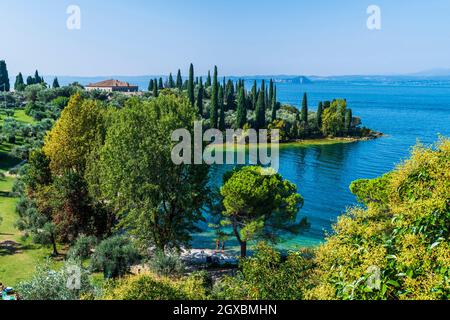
[217, 245]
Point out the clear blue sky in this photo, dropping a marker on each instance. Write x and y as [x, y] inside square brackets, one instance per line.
[243, 37]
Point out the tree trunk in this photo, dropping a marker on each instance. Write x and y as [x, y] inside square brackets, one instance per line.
[55, 250]
[243, 249]
[243, 244]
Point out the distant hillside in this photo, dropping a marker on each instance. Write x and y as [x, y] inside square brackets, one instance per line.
[441, 72]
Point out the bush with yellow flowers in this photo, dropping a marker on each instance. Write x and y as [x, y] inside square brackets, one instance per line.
[396, 246]
[149, 286]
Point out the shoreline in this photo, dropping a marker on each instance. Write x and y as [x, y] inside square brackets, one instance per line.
[302, 142]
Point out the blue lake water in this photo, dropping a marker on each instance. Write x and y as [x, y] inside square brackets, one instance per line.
[405, 110]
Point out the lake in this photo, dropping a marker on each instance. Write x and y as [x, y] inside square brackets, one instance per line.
[405, 111]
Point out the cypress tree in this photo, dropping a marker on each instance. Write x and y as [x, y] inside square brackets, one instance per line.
[55, 83]
[171, 82]
[254, 95]
[191, 85]
[155, 88]
[271, 93]
[4, 77]
[160, 84]
[241, 117]
[19, 85]
[305, 109]
[274, 104]
[229, 93]
[30, 80]
[179, 80]
[150, 85]
[214, 112]
[37, 78]
[222, 109]
[348, 120]
[200, 99]
[319, 115]
[261, 108]
[208, 80]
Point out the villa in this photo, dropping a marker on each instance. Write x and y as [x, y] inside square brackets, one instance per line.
[112, 86]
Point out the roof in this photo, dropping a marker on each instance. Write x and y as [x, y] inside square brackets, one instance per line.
[111, 83]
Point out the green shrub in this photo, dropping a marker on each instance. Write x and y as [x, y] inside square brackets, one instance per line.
[152, 287]
[48, 284]
[82, 248]
[114, 256]
[169, 264]
[266, 276]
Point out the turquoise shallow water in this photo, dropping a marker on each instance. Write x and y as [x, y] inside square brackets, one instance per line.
[405, 111]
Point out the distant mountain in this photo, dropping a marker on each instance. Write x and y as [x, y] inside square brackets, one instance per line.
[439, 72]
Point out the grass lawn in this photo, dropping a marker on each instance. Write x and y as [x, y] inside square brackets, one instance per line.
[20, 116]
[18, 257]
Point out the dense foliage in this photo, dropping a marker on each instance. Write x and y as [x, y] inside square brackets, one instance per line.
[156, 200]
[267, 276]
[402, 234]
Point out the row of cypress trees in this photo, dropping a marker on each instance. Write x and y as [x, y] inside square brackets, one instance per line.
[223, 95]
